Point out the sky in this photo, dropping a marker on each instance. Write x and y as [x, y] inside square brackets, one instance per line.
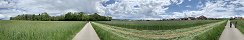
[126, 9]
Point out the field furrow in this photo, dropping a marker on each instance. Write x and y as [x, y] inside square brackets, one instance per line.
[182, 33]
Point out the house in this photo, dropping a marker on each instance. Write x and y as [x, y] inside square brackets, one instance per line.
[202, 17]
[188, 18]
[191, 18]
[183, 18]
[238, 18]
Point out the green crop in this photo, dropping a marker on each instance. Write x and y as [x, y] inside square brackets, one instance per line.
[39, 30]
[157, 25]
[110, 32]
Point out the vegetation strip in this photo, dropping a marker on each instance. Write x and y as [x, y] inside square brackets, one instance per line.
[240, 25]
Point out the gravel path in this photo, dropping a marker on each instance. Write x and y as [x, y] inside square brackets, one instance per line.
[87, 33]
[231, 33]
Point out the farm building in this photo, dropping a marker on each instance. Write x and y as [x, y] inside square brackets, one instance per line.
[202, 18]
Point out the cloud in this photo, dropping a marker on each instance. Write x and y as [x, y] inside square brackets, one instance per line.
[125, 9]
[188, 6]
[136, 9]
[177, 1]
[215, 9]
[2, 16]
[53, 7]
[155, 9]
[221, 9]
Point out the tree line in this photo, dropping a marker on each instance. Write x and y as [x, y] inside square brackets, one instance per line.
[70, 16]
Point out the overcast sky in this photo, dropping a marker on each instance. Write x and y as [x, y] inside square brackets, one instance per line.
[126, 9]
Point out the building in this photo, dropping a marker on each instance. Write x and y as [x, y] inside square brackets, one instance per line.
[188, 18]
[202, 17]
[191, 18]
[238, 18]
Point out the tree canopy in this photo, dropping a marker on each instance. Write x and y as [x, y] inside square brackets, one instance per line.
[70, 16]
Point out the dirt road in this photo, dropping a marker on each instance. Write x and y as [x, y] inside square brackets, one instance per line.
[87, 33]
[231, 33]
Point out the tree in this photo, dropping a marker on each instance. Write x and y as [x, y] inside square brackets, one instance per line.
[70, 16]
[94, 17]
[45, 16]
[80, 15]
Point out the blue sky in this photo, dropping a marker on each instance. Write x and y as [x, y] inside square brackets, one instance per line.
[186, 5]
[126, 9]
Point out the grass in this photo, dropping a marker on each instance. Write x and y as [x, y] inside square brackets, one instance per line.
[39, 30]
[106, 35]
[157, 25]
[110, 32]
[212, 34]
[240, 25]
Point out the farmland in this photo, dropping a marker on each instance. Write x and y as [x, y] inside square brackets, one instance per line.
[159, 30]
[157, 25]
[39, 30]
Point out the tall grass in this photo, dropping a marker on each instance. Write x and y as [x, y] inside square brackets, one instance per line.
[39, 30]
[158, 25]
[106, 35]
[240, 25]
[212, 34]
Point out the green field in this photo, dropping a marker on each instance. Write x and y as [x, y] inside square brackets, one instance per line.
[240, 25]
[157, 25]
[159, 30]
[39, 30]
[114, 30]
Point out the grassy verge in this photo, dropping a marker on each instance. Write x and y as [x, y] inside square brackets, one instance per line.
[240, 25]
[39, 30]
[105, 35]
[212, 34]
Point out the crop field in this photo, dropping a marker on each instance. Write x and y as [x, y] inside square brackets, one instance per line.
[159, 30]
[39, 30]
[157, 25]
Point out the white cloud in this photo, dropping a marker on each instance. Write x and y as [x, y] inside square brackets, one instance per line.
[121, 9]
[213, 10]
[155, 9]
[177, 1]
[3, 2]
[241, 8]
[188, 6]
[147, 9]
[2, 16]
[53, 7]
